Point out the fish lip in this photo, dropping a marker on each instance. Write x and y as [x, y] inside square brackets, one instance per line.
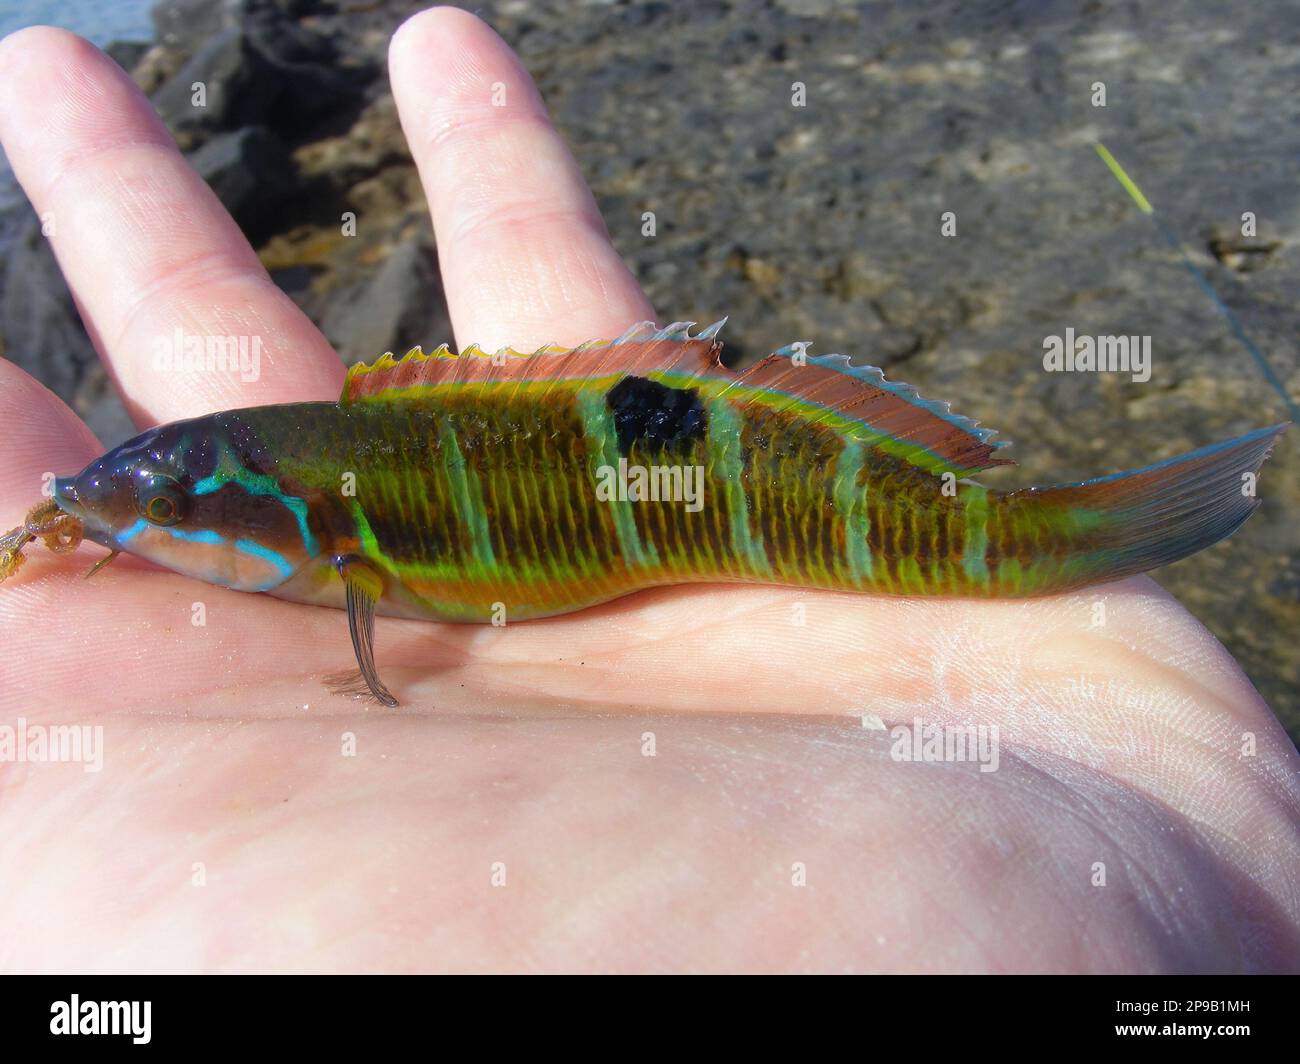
[65, 495]
[66, 498]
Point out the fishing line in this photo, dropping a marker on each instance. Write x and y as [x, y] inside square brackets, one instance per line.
[1144, 205]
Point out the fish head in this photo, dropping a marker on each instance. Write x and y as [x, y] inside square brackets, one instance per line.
[199, 497]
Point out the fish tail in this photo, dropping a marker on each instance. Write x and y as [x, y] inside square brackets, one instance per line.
[1131, 522]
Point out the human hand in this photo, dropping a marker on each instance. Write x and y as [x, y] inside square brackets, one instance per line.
[523, 750]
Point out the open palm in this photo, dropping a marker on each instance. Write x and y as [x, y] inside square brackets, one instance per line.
[678, 781]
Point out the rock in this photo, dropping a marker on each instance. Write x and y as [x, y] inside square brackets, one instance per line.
[304, 66]
[373, 143]
[251, 173]
[256, 66]
[97, 402]
[1244, 254]
[42, 329]
[155, 67]
[217, 88]
[390, 193]
[127, 54]
[186, 24]
[390, 308]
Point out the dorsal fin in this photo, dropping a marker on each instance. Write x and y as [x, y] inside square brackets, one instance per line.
[857, 398]
[641, 349]
[884, 408]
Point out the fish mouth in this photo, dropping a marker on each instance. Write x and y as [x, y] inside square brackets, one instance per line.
[65, 495]
[93, 529]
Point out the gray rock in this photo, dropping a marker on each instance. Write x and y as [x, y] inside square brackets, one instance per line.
[304, 66]
[187, 24]
[217, 88]
[126, 53]
[97, 401]
[257, 66]
[251, 173]
[389, 306]
[42, 329]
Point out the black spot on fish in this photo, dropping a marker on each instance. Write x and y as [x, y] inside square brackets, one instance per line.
[654, 416]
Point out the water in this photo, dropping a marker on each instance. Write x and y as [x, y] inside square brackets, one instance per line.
[98, 21]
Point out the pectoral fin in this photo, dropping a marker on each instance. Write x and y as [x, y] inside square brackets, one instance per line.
[101, 563]
[363, 590]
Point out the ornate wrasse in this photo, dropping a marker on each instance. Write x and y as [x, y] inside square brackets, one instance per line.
[474, 486]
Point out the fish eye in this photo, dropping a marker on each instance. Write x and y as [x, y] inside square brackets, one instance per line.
[161, 501]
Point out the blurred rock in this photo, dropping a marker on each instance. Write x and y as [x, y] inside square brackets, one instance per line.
[216, 88]
[1245, 254]
[127, 54]
[256, 65]
[42, 329]
[251, 173]
[155, 66]
[186, 24]
[377, 314]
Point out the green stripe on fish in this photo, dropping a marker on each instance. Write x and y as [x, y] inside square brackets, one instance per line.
[727, 460]
[851, 505]
[468, 495]
[975, 500]
[602, 448]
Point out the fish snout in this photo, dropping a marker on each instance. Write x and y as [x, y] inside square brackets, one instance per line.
[90, 498]
[65, 492]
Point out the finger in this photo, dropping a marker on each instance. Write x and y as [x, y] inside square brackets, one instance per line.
[524, 254]
[159, 270]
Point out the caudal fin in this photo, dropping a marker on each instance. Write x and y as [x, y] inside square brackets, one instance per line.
[1131, 522]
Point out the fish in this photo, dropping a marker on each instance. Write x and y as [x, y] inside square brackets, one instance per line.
[485, 487]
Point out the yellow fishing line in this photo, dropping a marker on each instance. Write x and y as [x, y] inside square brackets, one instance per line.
[1130, 186]
[1144, 205]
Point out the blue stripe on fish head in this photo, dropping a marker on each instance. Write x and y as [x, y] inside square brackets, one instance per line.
[199, 497]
